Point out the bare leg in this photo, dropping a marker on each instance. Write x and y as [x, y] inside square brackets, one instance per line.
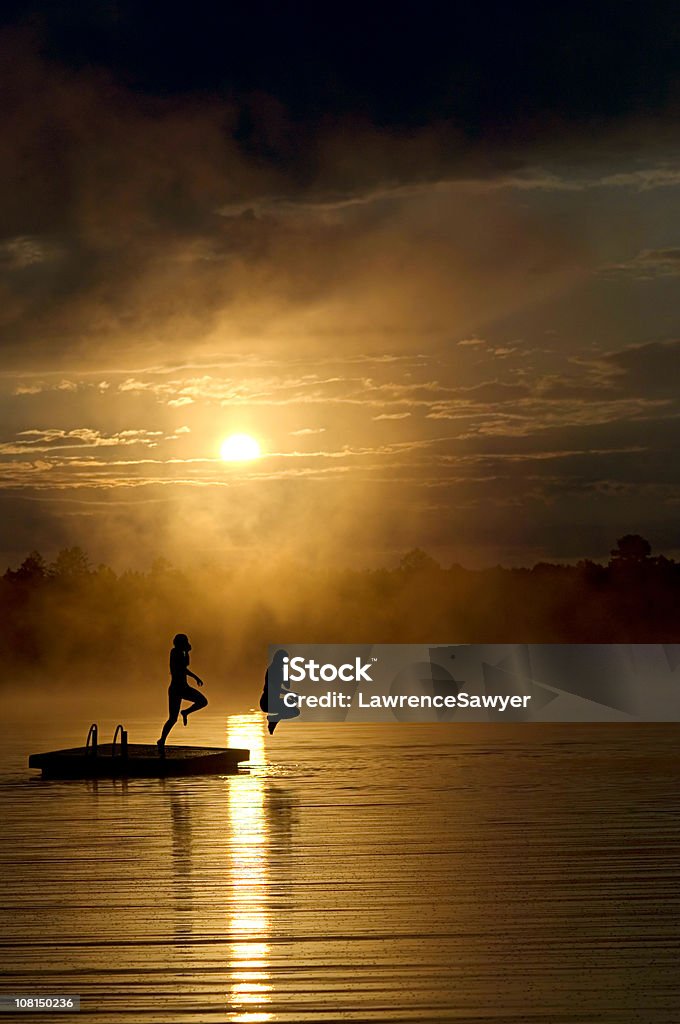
[167, 727]
[174, 702]
[199, 701]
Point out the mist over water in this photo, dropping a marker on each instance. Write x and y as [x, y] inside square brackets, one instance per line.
[75, 634]
[392, 873]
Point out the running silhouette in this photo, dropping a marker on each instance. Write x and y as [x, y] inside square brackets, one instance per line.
[276, 688]
[179, 689]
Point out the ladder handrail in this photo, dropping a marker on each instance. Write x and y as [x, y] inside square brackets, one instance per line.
[92, 735]
[123, 741]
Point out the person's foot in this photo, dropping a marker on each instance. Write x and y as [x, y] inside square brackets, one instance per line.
[271, 726]
[160, 744]
[184, 716]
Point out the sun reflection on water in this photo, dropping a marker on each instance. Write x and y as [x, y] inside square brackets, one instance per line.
[249, 925]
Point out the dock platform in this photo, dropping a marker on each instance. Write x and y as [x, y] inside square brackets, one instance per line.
[139, 760]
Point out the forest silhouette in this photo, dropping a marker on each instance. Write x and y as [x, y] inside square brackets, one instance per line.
[71, 617]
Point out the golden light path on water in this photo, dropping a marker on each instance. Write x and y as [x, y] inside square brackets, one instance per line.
[250, 988]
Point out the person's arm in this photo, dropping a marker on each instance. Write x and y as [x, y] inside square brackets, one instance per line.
[193, 676]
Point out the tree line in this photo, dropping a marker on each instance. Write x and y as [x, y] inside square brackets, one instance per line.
[69, 616]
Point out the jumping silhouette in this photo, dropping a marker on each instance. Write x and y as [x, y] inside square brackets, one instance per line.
[179, 689]
[275, 689]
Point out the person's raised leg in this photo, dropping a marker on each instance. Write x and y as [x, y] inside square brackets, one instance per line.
[199, 701]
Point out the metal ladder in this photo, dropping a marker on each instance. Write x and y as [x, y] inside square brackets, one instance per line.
[123, 741]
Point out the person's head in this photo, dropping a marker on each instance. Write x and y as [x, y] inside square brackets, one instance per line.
[181, 641]
[276, 666]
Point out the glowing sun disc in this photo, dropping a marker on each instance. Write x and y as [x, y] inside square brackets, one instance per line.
[239, 448]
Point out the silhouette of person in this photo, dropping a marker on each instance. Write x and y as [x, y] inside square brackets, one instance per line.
[275, 689]
[179, 689]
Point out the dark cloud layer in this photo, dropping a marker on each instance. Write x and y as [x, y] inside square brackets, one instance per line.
[489, 67]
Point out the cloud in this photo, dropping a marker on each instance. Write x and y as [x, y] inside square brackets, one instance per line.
[24, 251]
[195, 248]
[643, 179]
[649, 369]
[330, 208]
[648, 264]
[53, 439]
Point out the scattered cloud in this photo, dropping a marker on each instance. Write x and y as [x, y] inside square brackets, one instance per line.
[648, 264]
[25, 252]
[53, 439]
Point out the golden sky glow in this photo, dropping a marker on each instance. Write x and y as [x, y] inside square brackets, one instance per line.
[442, 350]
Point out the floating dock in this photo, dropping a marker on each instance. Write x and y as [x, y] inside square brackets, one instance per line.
[141, 761]
[136, 760]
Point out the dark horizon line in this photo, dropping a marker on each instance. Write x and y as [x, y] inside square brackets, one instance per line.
[71, 562]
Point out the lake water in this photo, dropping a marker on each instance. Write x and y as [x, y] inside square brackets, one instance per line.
[397, 873]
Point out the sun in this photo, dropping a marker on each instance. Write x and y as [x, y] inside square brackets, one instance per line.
[240, 448]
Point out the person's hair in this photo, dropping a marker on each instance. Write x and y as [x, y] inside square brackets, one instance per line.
[181, 640]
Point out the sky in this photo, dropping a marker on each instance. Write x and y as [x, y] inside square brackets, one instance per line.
[427, 257]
